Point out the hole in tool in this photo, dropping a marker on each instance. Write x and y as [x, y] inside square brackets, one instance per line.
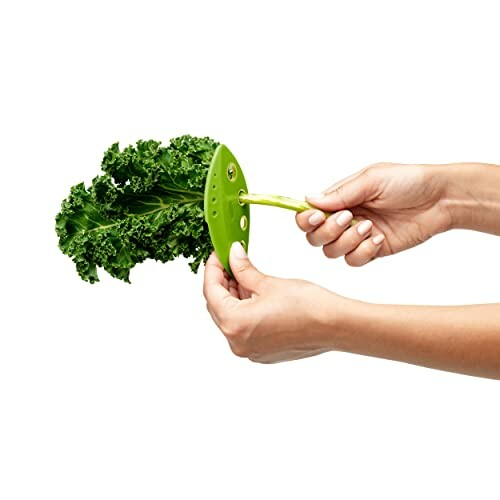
[240, 192]
[243, 244]
[214, 213]
[232, 172]
[244, 222]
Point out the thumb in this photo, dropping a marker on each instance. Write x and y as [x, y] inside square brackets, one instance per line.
[349, 193]
[244, 271]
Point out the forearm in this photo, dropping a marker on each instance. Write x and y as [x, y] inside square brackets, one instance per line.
[463, 339]
[471, 195]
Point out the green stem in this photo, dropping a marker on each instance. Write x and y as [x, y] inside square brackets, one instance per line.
[274, 200]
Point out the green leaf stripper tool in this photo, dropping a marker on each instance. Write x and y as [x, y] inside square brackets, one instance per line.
[227, 204]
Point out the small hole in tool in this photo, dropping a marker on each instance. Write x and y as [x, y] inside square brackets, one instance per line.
[214, 186]
[215, 174]
[232, 172]
[214, 200]
[214, 213]
[244, 222]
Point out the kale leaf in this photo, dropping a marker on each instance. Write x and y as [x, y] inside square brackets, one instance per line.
[148, 204]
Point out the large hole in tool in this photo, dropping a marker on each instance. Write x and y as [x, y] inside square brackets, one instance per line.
[244, 222]
[243, 244]
[232, 172]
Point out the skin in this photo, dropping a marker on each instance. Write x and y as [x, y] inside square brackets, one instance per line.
[268, 319]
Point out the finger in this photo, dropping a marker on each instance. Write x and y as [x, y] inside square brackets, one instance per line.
[332, 229]
[365, 252]
[233, 288]
[236, 290]
[244, 293]
[310, 220]
[215, 286]
[349, 240]
[244, 271]
[350, 193]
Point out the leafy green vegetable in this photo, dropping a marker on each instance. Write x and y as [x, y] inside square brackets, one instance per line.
[148, 204]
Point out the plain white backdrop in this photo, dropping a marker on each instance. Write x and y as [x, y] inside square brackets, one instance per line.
[129, 391]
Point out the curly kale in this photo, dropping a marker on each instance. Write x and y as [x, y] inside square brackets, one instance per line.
[148, 204]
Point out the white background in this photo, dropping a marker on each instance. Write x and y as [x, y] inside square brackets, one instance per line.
[129, 391]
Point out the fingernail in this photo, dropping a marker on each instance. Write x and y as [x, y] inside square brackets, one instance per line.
[378, 239]
[343, 218]
[238, 251]
[316, 218]
[315, 196]
[364, 227]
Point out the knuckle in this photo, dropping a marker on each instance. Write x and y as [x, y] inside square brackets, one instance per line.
[354, 260]
[331, 251]
[329, 233]
[239, 350]
[312, 240]
[232, 329]
[242, 267]
[353, 239]
[332, 229]
[301, 221]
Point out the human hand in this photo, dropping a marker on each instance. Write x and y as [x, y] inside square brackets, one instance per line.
[396, 207]
[268, 319]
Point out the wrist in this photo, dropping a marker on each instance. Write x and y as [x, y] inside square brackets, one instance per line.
[470, 194]
[338, 322]
[436, 179]
[454, 200]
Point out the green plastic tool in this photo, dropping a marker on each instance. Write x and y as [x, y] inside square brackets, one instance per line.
[227, 201]
[228, 219]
